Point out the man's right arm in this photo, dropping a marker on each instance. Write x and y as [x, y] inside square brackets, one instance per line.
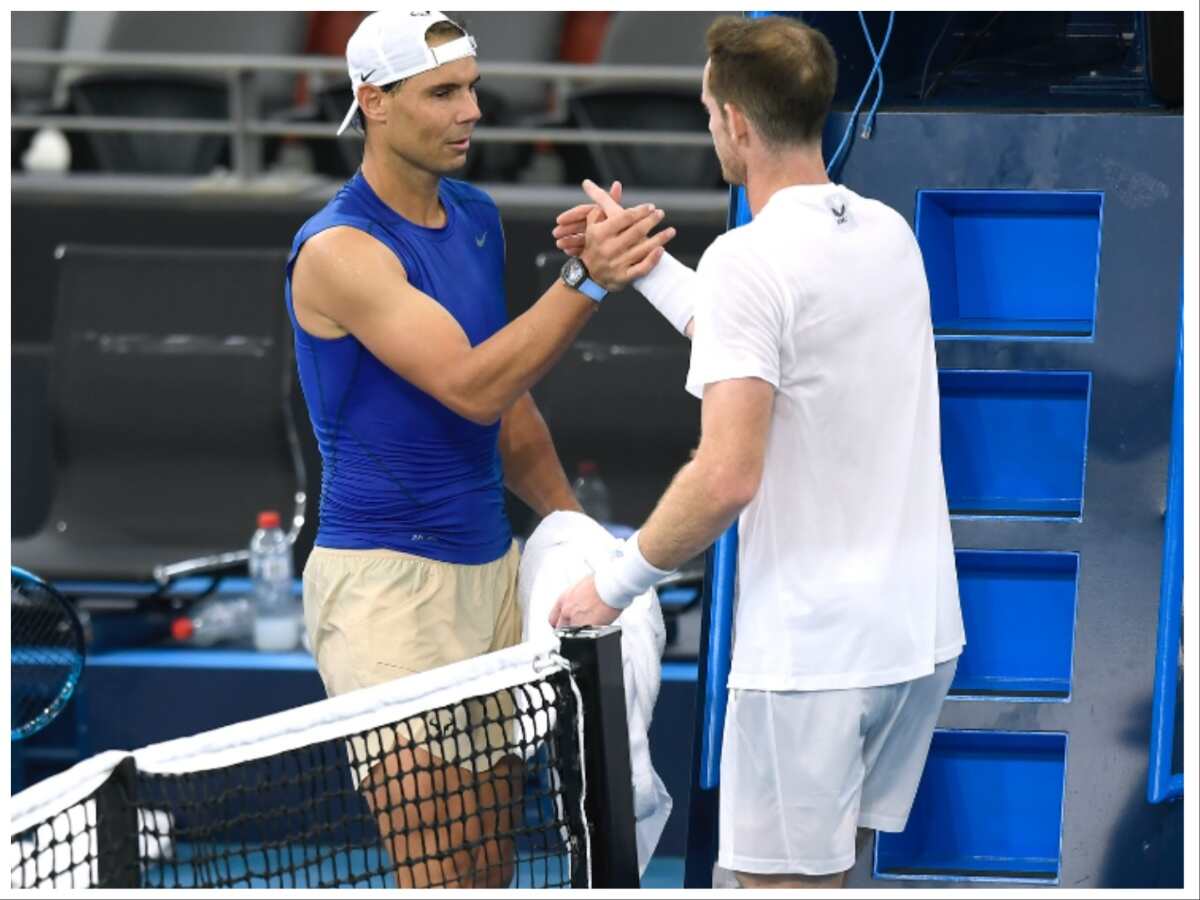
[345, 281]
[670, 286]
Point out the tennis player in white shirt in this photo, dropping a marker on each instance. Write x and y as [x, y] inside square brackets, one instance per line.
[813, 355]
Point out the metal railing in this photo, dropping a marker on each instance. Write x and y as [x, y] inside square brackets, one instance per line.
[246, 127]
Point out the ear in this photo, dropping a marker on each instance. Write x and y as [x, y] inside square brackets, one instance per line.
[373, 102]
[739, 125]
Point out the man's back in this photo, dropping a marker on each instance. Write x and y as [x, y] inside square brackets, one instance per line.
[846, 567]
[813, 354]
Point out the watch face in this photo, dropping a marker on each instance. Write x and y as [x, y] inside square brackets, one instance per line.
[573, 272]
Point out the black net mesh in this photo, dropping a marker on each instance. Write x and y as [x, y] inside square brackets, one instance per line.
[482, 793]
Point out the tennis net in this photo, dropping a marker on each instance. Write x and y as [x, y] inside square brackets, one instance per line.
[474, 774]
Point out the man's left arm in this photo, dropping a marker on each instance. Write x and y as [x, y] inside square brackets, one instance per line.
[704, 499]
[532, 469]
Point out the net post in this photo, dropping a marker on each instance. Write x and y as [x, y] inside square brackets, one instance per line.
[117, 860]
[596, 656]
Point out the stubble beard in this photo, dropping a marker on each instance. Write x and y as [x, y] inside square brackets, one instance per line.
[732, 171]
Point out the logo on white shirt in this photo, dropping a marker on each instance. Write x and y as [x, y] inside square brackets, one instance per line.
[836, 204]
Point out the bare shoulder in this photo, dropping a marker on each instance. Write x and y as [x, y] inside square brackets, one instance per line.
[343, 252]
[333, 272]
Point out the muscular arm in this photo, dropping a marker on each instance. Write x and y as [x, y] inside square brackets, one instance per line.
[345, 281]
[710, 492]
[705, 497]
[532, 469]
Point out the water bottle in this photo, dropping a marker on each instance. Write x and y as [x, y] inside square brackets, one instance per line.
[277, 617]
[592, 492]
[214, 621]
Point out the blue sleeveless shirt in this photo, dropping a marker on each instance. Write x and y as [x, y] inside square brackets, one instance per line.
[400, 470]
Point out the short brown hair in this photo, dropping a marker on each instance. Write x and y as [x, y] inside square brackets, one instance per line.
[778, 71]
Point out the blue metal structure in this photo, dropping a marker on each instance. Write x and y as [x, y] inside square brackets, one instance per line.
[1164, 783]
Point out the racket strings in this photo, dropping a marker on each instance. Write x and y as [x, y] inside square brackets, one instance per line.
[47, 654]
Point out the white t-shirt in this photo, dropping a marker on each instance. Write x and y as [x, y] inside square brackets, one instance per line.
[846, 571]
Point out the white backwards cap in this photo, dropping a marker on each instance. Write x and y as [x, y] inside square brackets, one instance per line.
[389, 45]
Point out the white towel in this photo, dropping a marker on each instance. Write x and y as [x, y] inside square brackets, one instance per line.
[566, 548]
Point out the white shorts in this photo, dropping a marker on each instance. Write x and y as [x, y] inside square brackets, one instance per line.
[801, 771]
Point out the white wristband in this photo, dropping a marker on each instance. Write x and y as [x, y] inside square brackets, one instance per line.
[627, 575]
[671, 289]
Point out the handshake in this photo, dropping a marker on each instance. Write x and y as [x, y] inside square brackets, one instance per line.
[613, 242]
[618, 248]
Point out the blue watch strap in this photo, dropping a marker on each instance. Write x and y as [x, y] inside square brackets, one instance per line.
[593, 290]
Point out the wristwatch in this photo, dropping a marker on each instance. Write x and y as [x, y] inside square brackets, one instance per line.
[575, 274]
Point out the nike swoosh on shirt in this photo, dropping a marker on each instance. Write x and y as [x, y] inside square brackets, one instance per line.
[481, 240]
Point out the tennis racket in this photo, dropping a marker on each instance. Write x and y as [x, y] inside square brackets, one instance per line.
[47, 653]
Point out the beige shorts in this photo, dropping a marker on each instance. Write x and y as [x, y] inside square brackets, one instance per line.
[376, 615]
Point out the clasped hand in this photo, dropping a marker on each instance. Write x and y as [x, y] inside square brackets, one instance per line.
[614, 243]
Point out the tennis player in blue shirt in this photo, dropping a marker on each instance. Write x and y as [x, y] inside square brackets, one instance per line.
[418, 391]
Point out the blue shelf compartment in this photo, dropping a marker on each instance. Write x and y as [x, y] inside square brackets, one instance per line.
[1014, 443]
[989, 809]
[1011, 264]
[1004, 594]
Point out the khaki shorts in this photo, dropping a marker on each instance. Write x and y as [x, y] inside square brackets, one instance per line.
[376, 615]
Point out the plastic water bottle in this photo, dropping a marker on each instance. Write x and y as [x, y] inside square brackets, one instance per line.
[216, 620]
[592, 492]
[276, 613]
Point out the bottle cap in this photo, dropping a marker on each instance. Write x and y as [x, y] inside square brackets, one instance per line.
[588, 467]
[182, 628]
[268, 519]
